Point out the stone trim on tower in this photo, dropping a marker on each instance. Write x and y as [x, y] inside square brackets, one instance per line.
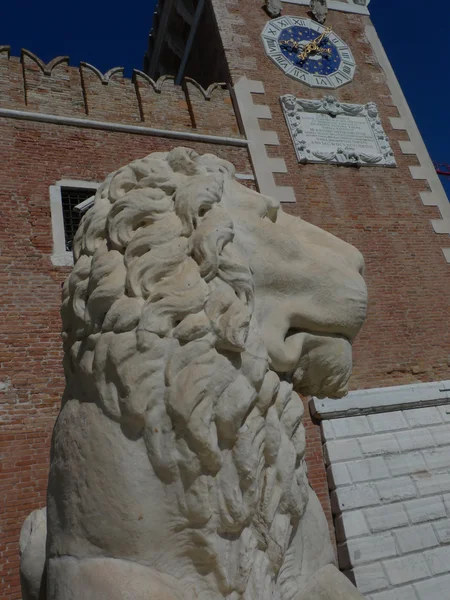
[359, 8]
[426, 171]
[263, 165]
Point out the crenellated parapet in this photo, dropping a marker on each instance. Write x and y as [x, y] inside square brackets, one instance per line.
[56, 88]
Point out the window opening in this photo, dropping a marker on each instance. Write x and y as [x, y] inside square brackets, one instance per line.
[70, 198]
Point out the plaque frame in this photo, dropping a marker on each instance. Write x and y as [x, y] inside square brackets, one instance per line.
[294, 107]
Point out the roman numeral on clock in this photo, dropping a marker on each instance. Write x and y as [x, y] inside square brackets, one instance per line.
[347, 70]
[272, 45]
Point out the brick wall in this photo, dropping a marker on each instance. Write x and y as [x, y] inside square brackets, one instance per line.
[26, 83]
[317, 474]
[379, 210]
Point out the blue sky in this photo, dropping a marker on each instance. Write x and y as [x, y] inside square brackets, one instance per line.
[109, 34]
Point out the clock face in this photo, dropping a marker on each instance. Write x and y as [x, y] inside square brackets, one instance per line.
[308, 52]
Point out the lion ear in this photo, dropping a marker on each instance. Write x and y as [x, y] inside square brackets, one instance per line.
[195, 199]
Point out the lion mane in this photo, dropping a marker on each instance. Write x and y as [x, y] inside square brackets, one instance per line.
[158, 331]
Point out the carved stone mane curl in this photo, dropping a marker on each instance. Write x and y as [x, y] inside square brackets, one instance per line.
[158, 332]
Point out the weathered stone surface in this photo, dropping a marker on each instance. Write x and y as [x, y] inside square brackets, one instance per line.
[319, 9]
[195, 311]
[32, 553]
[274, 7]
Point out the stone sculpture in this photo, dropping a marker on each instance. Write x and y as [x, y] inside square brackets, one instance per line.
[319, 10]
[274, 7]
[194, 308]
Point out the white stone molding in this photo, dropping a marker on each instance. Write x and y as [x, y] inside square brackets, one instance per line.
[333, 132]
[28, 115]
[359, 8]
[437, 196]
[60, 256]
[386, 399]
[263, 165]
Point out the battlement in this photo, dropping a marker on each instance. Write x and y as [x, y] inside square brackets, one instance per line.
[55, 88]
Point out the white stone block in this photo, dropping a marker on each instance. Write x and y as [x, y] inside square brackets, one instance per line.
[425, 509]
[406, 569]
[416, 537]
[401, 593]
[367, 469]
[405, 463]
[442, 529]
[383, 443]
[421, 417]
[432, 483]
[441, 434]
[327, 430]
[370, 578]
[446, 499]
[351, 524]
[394, 490]
[415, 439]
[338, 475]
[351, 427]
[369, 549]
[439, 560]
[387, 421]
[354, 496]
[387, 517]
[444, 411]
[340, 450]
[437, 458]
[436, 588]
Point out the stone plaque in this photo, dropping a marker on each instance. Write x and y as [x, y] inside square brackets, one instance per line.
[328, 131]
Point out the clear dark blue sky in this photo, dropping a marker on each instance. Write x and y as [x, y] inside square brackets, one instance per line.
[109, 34]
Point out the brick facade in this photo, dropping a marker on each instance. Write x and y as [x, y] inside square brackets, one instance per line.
[405, 339]
[379, 210]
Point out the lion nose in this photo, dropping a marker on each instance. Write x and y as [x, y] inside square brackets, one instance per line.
[359, 261]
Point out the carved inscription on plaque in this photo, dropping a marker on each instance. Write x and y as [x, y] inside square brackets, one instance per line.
[327, 131]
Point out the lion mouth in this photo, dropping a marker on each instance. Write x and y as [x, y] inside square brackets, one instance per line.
[324, 363]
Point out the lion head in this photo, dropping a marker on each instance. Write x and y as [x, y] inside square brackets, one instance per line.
[194, 308]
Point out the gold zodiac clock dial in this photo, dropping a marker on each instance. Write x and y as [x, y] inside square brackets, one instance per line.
[308, 52]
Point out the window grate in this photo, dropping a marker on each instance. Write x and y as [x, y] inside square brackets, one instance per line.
[71, 197]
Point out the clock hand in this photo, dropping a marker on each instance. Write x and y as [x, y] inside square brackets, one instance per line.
[322, 35]
[313, 46]
[290, 44]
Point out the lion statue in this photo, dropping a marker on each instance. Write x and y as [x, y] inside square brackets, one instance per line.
[195, 308]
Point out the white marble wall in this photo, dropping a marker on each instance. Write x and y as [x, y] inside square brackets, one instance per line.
[389, 476]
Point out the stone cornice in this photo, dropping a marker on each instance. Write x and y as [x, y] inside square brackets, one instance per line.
[336, 5]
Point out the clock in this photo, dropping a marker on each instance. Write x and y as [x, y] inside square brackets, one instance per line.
[308, 52]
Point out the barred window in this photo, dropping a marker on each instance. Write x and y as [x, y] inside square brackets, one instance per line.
[70, 198]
